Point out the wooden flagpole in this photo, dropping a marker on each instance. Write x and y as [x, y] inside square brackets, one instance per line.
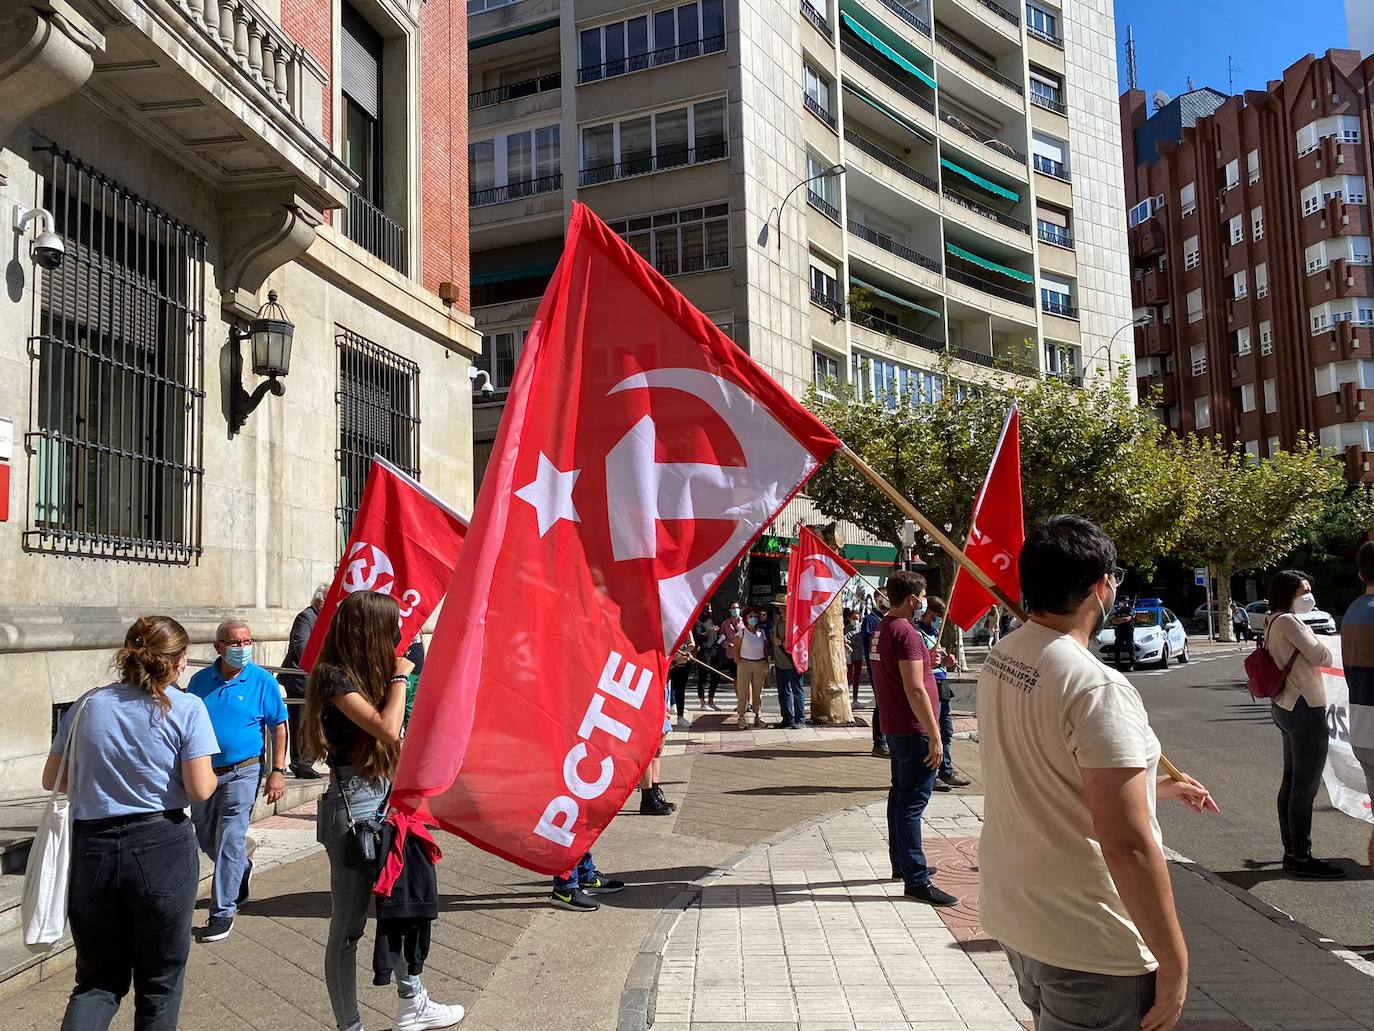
[955, 552]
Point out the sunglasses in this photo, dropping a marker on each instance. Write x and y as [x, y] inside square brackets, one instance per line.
[1117, 574]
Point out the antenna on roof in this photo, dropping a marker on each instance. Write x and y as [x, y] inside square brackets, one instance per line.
[1191, 87]
[1230, 75]
[1131, 82]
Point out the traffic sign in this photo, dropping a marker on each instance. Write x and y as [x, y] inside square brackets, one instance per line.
[1200, 576]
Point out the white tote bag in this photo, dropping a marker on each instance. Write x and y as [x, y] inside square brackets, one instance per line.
[45, 877]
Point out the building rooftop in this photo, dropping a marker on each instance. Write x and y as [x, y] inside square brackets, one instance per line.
[1169, 121]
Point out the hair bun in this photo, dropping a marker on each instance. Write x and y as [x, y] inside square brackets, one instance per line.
[138, 641]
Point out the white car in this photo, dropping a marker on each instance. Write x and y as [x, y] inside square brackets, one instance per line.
[1158, 636]
[1319, 621]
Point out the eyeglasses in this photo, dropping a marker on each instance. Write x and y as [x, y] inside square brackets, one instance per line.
[221, 640]
[1117, 574]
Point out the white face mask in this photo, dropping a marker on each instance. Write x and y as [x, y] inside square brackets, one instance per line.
[1304, 602]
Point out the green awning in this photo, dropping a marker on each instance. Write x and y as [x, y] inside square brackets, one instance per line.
[893, 297]
[909, 126]
[882, 48]
[991, 266]
[524, 30]
[980, 182]
[507, 275]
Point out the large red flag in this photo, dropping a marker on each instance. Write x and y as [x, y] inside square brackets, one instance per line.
[815, 577]
[639, 455]
[996, 531]
[405, 543]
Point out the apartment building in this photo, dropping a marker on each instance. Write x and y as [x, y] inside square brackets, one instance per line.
[237, 271]
[851, 189]
[1249, 231]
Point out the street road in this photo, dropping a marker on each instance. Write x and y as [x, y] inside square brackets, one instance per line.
[1212, 729]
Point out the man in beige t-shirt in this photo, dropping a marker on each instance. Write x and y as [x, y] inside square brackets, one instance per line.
[1073, 879]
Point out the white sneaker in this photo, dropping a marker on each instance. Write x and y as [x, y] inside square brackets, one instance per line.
[742, 723]
[355, 1027]
[420, 1012]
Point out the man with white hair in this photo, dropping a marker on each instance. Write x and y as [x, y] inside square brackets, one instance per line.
[243, 700]
[294, 683]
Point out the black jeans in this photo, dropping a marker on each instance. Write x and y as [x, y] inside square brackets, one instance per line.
[1305, 742]
[677, 680]
[877, 723]
[133, 890]
[707, 681]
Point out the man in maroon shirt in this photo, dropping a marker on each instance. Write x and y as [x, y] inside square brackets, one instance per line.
[905, 691]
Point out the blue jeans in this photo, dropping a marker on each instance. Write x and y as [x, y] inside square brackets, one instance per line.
[912, 782]
[791, 697]
[585, 870]
[133, 890]
[947, 737]
[222, 830]
[877, 723]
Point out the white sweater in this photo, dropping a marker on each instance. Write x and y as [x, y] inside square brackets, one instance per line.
[1284, 636]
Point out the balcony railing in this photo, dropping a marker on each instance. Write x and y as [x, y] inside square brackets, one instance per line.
[873, 68]
[991, 142]
[1000, 11]
[977, 63]
[514, 191]
[515, 90]
[651, 59]
[830, 303]
[883, 157]
[814, 106]
[910, 17]
[996, 290]
[1043, 36]
[892, 246]
[986, 212]
[1049, 103]
[372, 230]
[818, 20]
[1054, 235]
[1061, 308]
[823, 206]
[1073, 379]
[1050, 167]
[887, 329]
[693, 263]
[654, 163]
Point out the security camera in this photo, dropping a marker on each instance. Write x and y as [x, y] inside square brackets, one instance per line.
[481, 381]
[48, 248]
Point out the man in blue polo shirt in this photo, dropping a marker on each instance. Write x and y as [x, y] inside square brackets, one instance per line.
[243, 700]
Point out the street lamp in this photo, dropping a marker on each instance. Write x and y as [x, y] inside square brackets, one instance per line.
[269, 338]
[1143, 320]
[833, 170]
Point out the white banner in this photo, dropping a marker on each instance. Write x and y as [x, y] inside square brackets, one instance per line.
[1343, 775]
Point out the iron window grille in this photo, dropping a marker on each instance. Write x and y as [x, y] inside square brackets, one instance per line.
[115, 441]
[379, 414]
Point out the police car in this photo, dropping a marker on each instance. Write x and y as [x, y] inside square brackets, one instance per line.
[1157, 636]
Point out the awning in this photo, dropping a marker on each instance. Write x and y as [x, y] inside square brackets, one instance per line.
[980, 182]
[893, 297]
[509, 274]
[882, 48]
[909, 126]
[991, 266]
[524, 30]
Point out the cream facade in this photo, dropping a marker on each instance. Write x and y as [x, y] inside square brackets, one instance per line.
[191, 165]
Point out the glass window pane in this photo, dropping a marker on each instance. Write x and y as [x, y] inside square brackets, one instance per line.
[718, 243]
[635, 146]
[615, 48]
[591, 53]
[504, 355]
[637, 42]
[665, 31]
[643, 245]
[693, 247]
[598, 148]
[482, 164]
[688, 31]
[713, 22]
[671, 137]
[519, 167]
[546, 151]
[665, 252]
[709, 121]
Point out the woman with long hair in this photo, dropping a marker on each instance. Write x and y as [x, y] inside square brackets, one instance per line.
[1299, 711]
[139, 755]
[354, 706]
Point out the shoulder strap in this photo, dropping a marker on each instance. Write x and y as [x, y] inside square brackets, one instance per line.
[65, 765]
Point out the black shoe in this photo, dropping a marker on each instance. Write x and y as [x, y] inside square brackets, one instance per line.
[217, 929]
[955, 780]
[243, 887]
[599, 885]
[657, 789]
[896, 875]
[881, 751]
[1313, 869]
[930, 895]
[304, 771]
[940, 785]
[574, 899]
[651, 805]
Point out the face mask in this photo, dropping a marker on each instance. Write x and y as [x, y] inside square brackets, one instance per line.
[1108, 607]
[396, 638]
[753, 621]
[734, 611]
[1304, 603]
[935, 623]
[238, 655]
[921, 607]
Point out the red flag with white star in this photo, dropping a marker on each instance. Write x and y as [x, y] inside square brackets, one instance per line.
[640, 454]
[815, 577]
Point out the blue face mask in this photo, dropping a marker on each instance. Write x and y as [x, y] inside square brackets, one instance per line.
[921, 607]
[238, 655]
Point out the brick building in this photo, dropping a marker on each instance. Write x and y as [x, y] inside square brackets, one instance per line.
[191, 156]
[1249, 233]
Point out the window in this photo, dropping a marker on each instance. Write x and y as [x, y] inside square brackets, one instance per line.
[1262, 279]
[1062, 359]
[1199, 359]
[1140, 212]
[1194, 305]
[826, 187]
[1202, 412]
[1311, 198]
[478, 6]
[1243, 341]
[1273, 445]
[1237, 227]
[1192, 256]
[1252, 450]
[651, 143]
[825, 288]
[892, 383]
[825, 372]
[816, 90]
[1187, 200]
[1257, 223]
[1049, 91]
[1252, 166]
[1271, 404]
[500, 351]
[117, 374]
[379, 414]
[366, 222]
[1056, 296]
[682, 241]
[1051, 155]
[674, 34]
[1345, 128]
[1042, 24]
[519, 164]
[1232, 174]
[1266, 338]
[1316, 257]
[1247, 397]
[1239, 286]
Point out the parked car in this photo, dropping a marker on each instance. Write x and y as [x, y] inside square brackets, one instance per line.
[1319, 621]
[1157, 636]
[1200, 619]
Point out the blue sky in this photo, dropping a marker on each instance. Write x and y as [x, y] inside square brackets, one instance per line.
[1178, 38]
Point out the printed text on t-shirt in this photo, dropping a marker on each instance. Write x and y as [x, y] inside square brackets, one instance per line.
[1020, 674]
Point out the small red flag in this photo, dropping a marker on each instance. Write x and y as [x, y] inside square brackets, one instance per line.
[405, 543]
[640, 454]
[996, 531]
[815, 577]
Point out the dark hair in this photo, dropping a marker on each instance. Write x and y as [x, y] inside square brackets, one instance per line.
[1283, 589]
[935, 605]
[755, 609]
[847, 613]
[360, 647]
[152, 648]
[902, 584]
[1061, 561]
[1364, 561]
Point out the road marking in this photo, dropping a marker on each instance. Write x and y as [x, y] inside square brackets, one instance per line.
[1174, 667]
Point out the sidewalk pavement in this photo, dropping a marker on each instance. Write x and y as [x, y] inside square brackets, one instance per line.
[796, 932]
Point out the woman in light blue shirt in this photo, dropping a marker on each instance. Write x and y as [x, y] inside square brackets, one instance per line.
[139, 756]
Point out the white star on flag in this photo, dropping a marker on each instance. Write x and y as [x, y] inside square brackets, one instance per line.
[550, 493]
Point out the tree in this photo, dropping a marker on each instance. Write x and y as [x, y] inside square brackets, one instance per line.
[1251, 513]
